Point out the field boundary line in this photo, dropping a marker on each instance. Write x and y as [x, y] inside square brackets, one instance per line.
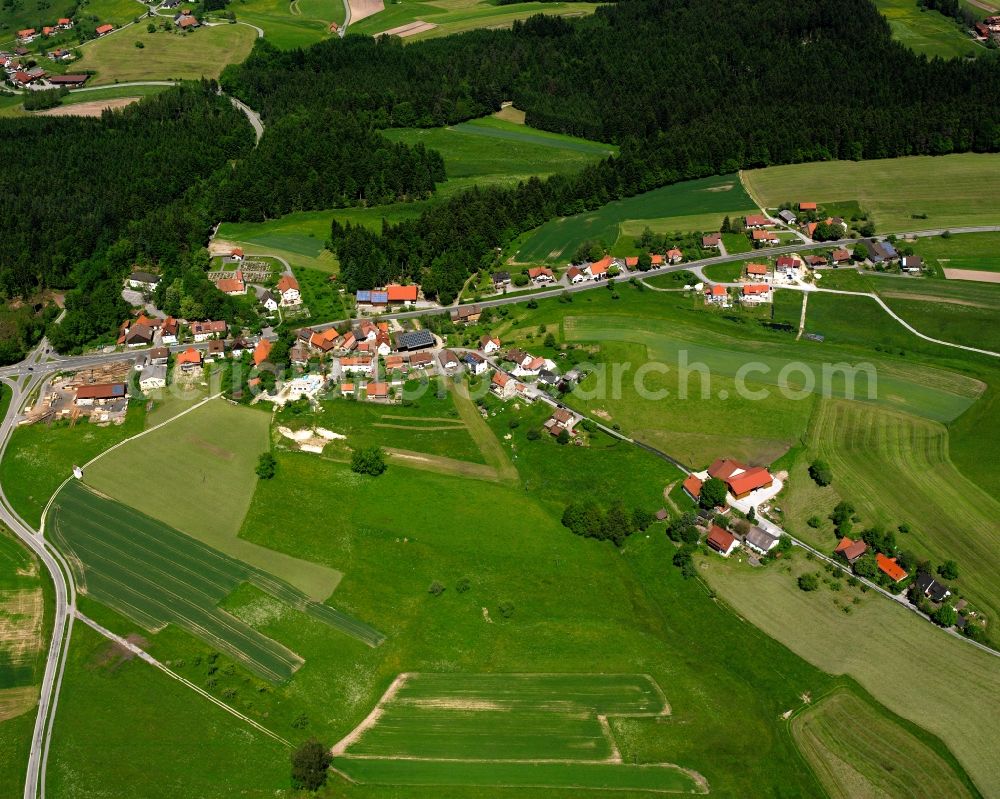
[145, 656]
[369, 721]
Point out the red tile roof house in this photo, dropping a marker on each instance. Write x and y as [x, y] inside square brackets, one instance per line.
[741, 479]
[203, 331]
[378, 391]
[768, 236]
[631, 261]
[711, 240]
[754, 294]
[807, 206]
[840, 256]
[27, 35]
[655, 259]
[718, 295]
[232, 285]
[721, 541]
[541, 274]
[189, 359]
[758, 271]
[575, 275]
[104, 30]
[850, 550]
[261, 352]
[889, 566]
[675, 256]
[758, 221]
[598, 270]
[692, 487]
[503, 385]
[288, 288]
[489, 344]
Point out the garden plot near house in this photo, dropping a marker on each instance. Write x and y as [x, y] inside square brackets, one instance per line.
[156, 576]
[197, 474]
[540, 730]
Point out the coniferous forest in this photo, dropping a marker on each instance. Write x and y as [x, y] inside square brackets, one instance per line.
[686, 89]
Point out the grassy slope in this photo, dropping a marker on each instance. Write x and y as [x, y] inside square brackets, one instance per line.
[32, 14]
[903, 661]
[950, 517]
[98, 12]
[978, 251]
[166, 55]
[855, 750]
[285, 28]
[927, 32]
[948, 189]
[39, 458]
[456, 16]
[210, 455]
[693, 205]
[483, 152]
[171, 742]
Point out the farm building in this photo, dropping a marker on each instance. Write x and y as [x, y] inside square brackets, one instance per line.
[740, 479]
[503, 385]
[466, 314]
[100, 394]
[760, 541]
[692, 487]
[889, 567]
[850, 550]
[722, 541]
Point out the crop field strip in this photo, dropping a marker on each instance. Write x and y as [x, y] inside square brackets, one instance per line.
[156, 575]
[507, 730]
[856, 751]
[22, 612]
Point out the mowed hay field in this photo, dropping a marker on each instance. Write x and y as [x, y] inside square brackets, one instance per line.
[457, 16]
[927, 32]
[166, 54]
[197, 474]
[948, 189]
[942, 684]
[496, 151]
[689, 206]
[870, 448]
[156, 576]
[857, 751]
[292, 24]
[692, 425]
[979, 252]
[127, 729]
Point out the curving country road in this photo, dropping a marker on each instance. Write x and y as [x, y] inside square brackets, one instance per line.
[25, 376]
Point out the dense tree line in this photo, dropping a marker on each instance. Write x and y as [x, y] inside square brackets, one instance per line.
[325, 159]
[685, 91]
[84, 199]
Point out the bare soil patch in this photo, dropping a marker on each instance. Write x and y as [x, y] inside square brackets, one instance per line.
[410, 29]
[210, 448]
[972, 274]
[365, 8]
[15, 701]
[20, 624]
[93, 108]
[114, 654]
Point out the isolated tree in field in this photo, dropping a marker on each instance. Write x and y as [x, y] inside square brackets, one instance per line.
[821, 472]
[310, 762]
[948, 570]
[808, 582]
[436, 589]
[713, 493]
[370, 460]
[266, 466]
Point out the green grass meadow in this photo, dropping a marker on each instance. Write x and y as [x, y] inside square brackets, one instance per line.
[215, 450]
[166, 54]
[928, 32]
[906, 663]
[978, 252]
[291, 24]
[948, 189]
[39, 458]
[689, 206]
[156, 576]
[855, 750]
